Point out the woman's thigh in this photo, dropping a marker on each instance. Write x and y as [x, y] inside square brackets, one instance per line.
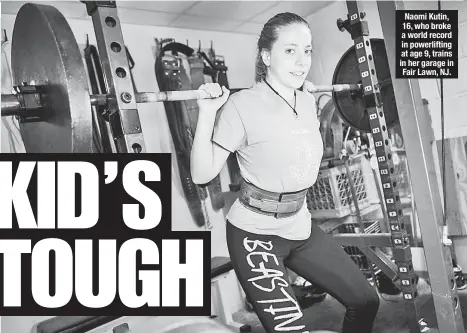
[258, 263]
[322, 261]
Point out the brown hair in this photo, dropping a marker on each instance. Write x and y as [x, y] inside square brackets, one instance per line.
[269, 36]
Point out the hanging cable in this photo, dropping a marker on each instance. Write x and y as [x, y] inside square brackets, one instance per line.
[318, 106]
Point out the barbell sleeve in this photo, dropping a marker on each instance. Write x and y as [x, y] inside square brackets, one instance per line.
[20, 105]
[10, 105]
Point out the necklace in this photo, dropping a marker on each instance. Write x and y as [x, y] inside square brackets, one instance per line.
[295, 98]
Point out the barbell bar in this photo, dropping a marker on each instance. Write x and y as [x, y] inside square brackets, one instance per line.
[17, 105]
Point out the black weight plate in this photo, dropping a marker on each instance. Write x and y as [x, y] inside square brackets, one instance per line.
[352, 109]
[44, 52]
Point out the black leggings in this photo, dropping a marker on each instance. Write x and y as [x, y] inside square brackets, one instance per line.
[260, 263]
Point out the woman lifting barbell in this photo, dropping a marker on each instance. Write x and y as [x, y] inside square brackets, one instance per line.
[274, 130]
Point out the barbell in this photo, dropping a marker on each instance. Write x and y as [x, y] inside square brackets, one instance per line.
[31, 97]
[53, 104]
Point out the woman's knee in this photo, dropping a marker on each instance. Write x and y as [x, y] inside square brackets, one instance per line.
[373, 299]
[366, 302]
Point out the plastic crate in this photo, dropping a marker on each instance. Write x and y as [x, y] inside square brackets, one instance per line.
[331, 197]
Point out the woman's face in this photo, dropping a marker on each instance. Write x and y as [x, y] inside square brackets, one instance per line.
[289, 60]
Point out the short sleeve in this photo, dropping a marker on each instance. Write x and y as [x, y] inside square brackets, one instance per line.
[229, 131]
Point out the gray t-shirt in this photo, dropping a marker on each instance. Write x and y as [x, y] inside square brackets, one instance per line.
[276, 151]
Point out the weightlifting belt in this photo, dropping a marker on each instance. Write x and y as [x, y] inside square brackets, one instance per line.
[210, 69]
[167, 70]
[190, 114]
[279, 205]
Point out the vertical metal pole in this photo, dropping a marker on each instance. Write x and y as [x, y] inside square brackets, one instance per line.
[415, 130]
[453, 218]
[384, 224]
[358, 29]
[123, 111]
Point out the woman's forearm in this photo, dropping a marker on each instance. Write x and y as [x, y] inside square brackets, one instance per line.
[202, 156]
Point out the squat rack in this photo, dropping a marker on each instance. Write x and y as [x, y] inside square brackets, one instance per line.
[417, 134]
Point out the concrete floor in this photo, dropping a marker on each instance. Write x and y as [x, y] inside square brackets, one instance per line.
[391, 318]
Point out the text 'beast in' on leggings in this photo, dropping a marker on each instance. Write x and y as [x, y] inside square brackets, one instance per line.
[260, 263]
